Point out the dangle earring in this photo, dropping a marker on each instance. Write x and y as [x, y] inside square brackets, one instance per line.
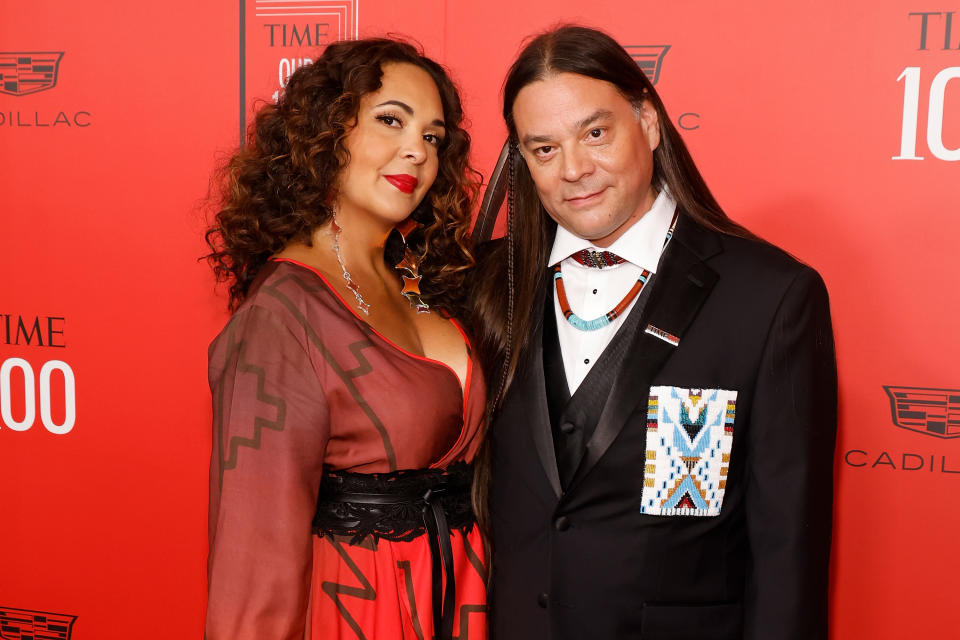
[353, 286]
[409, 267]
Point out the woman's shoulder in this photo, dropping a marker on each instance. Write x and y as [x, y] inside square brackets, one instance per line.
[285, 298]
[289, 289]
[269, 335]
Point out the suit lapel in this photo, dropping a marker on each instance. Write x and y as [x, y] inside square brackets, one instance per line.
[680, 287]
[531, 388]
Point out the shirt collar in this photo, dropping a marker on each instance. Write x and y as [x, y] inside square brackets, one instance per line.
[641, 244]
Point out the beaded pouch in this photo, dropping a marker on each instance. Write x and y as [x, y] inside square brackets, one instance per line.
[689, 437]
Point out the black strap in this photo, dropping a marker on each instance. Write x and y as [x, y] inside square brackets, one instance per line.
[441, 555]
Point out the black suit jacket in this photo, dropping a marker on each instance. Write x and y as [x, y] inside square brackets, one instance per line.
[602, 560]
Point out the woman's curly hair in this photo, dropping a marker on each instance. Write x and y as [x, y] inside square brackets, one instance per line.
[278, 188]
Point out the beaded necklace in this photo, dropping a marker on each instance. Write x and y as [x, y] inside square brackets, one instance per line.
[608, 317]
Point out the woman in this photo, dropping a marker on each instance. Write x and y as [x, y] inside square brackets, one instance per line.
[345, 411]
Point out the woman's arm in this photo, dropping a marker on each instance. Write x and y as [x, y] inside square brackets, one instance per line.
[270, 428]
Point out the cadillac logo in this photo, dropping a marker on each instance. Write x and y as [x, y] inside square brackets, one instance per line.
[23, 624]
[649, 57]
[934, 412]
[26, 72]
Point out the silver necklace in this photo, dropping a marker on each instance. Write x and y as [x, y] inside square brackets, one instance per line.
[353, 286]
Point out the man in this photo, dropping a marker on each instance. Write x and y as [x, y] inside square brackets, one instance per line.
[662, 449]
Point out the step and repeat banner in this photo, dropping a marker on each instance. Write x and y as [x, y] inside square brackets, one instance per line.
[831, 130]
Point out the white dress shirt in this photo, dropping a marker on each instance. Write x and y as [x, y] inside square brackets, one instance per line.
[592, 292]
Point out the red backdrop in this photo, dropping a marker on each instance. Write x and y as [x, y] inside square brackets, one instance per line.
[832, 131]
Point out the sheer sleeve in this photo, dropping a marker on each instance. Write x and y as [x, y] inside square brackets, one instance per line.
[270, 428]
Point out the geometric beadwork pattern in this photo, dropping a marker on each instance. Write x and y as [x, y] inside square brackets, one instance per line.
[689, 435]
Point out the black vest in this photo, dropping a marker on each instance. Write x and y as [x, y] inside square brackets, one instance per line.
[574, 419]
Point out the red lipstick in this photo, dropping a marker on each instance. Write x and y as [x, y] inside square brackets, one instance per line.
[403, 181]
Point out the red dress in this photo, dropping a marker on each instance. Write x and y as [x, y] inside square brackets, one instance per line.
[302, 385]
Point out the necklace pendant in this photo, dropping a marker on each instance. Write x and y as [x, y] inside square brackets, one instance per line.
[363, 306]
[353, 286]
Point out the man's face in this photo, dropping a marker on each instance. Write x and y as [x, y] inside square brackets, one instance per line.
[590, 152]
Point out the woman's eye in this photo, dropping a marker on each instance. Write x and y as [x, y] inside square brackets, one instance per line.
[433, 139]
[388, 119]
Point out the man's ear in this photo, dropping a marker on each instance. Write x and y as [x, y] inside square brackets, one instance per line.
[649, 122]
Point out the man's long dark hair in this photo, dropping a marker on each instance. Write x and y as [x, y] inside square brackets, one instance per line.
[506, 290]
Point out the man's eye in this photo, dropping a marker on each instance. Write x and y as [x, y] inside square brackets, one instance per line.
[595, 133]
[544, 150]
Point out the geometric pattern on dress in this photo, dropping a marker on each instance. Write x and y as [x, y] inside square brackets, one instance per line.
[465, 610]
[405, 568]
[336, 589]
[475, 560]
[689, 436]
[347, 376]
[228, 452]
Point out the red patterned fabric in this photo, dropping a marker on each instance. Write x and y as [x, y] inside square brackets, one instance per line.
[300, 382]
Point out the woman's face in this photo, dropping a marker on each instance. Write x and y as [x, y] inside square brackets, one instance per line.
[393, 147]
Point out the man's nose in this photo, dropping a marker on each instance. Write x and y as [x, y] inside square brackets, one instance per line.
[577, 163]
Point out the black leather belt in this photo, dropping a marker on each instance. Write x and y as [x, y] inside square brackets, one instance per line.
[401, 506]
